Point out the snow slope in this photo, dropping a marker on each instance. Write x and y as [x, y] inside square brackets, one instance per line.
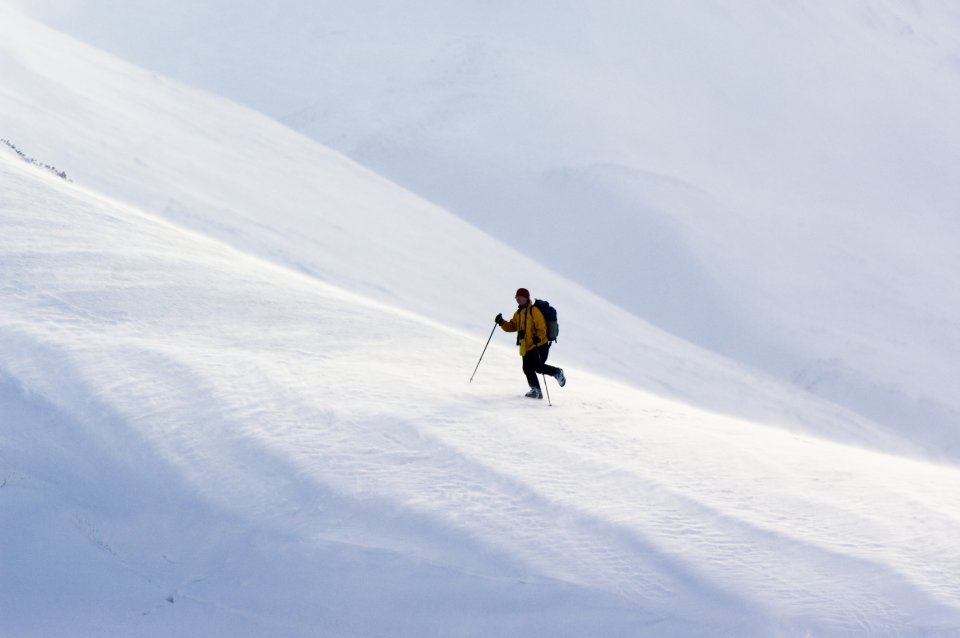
[197, 441]
[774, 183]
[200, 161]
[233, 401]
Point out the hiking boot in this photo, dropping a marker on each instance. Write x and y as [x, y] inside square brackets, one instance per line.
[534, 394]
[562, 380]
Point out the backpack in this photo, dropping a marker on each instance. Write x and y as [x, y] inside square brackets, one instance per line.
[550, 316]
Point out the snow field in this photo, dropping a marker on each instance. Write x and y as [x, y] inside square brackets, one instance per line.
[179, 450]
[234, 401]
[773, 183]
[226, 172]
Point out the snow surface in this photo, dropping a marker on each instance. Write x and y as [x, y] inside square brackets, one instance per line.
[775, 183]
[234, 401]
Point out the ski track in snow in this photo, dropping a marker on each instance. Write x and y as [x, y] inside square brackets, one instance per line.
[206, 459]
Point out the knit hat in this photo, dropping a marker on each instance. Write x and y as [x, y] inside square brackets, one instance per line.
[522, 292]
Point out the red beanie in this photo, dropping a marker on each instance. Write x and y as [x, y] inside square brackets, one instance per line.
[522, 292]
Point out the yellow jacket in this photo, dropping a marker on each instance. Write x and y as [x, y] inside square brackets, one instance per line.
[529, 320]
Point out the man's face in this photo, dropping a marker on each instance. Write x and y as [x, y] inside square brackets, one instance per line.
[521, 300]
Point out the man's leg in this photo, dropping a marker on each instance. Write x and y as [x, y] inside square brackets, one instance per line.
[530, 364]
[542, 353]
[543, 368]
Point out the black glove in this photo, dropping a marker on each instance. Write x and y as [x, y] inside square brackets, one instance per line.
[499, 319]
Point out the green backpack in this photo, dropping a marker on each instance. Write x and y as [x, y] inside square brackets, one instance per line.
[550, 316]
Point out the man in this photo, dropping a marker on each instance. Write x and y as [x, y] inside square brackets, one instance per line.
[531, 329]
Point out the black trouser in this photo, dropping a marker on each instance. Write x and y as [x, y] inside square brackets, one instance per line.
[535, 362]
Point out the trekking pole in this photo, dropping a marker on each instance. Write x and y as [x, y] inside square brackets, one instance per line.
[483, 353]
[544, 375]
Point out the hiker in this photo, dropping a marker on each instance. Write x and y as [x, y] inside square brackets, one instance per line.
[531, 329]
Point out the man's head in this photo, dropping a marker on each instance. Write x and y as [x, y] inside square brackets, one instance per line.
[522, 296]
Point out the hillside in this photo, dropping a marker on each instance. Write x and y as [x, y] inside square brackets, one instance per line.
[776, 184]
[234, 401]
[209, 165]
[170, 466]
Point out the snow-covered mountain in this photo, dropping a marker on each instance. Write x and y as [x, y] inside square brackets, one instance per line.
[774, 183]
[234, 401]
